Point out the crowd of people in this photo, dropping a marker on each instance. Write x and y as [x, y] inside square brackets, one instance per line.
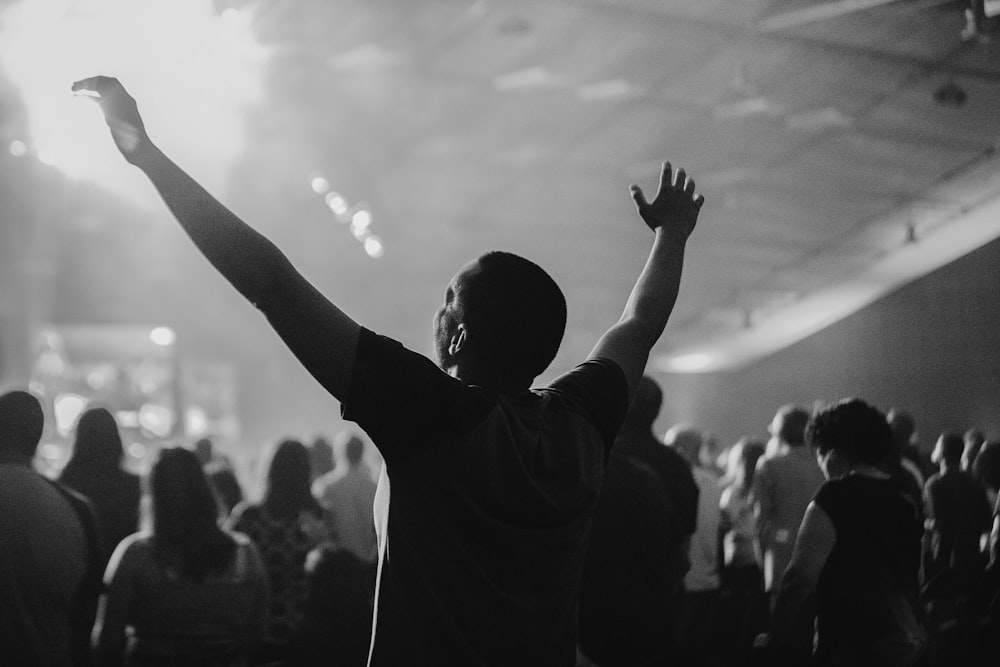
[509, 525]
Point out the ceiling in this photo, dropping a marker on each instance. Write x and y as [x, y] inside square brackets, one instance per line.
[816, 138]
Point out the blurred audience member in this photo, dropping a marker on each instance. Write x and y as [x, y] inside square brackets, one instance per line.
[958, 518]
[986, 469]
[336, 626]
[744, 608]
[785, 482]
[95, 470]
[904, 435]
[973, 442]
[633, 576]
[286, 526]
[192, 593]
[673, 469]
[699, 645]
[321, 459]
[348, 494]
[958, 515]
[858, 549]
[225, 484]
[204, 451]
[50, 558]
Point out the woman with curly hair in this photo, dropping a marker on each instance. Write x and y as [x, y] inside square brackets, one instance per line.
[858, 549]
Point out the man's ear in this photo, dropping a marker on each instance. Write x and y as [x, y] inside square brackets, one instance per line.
[458, 340]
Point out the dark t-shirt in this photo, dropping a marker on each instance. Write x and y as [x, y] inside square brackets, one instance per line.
[482, 546]
[675, 473]
[867, 591]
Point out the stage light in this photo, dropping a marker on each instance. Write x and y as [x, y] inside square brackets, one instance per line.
[163, 336]
[18, 148]
[361, 219]
[68, 408]
[319, 185]
[156, 419]
[374, 247]
[167, 53]
[50, 451]
[137, 450]
[690, 363]
[337, 203]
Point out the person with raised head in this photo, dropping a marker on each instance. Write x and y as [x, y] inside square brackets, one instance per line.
[50, 554]
[493, 484]
[192, 593]
[858, 549]
[95, 471]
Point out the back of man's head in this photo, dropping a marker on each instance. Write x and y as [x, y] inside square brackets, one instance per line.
[950, 447]
[354, 450]
[903, 427]
[789, 425]
[515, 314]
[687, 440]
[21, 422]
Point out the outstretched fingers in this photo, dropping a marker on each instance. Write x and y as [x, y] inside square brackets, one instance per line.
[638, 197]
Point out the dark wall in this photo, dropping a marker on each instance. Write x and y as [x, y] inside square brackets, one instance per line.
[932, 347]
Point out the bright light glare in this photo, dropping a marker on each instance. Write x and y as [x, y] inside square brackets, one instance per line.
[374, 247]
[362, 218]
[156, 419]
[337, 203]
[50, 451]
[319, 184]
[191, 72]
[68, 408]
[163, 336]
[689, 363]
[18, 148]
[137, 450]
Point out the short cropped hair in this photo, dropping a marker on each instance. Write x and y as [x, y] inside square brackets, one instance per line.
[793, 425]
[21, 422]
[515, 313]
[855, 429]
[952, 447]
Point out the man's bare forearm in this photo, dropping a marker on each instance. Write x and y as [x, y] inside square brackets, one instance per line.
[655, 292]
[247, 259]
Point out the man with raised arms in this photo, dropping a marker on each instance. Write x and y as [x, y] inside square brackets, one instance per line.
[493, 484]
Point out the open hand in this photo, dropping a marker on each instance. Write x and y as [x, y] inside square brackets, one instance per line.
[675, 207]
[120, 113]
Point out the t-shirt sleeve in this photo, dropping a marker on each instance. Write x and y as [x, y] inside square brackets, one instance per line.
[599, 389]
[404, 401]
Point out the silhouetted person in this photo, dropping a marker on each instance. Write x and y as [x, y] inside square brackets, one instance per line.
[958, 515]
[192, 593]
[974, 440]
[904, 435]
[321, 457]
[744, 607]
[785, 482]
[634, 572]
[225, 485]
[50, 555]
[492, 485]
[858, 549]
[95, 470]
[698, 641]
[204, 451]
[639, 442]
[348, 494]
[336, 625]
[286, 526]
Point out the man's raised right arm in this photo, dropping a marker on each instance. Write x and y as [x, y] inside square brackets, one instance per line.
[672, 216]
[322, 336]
